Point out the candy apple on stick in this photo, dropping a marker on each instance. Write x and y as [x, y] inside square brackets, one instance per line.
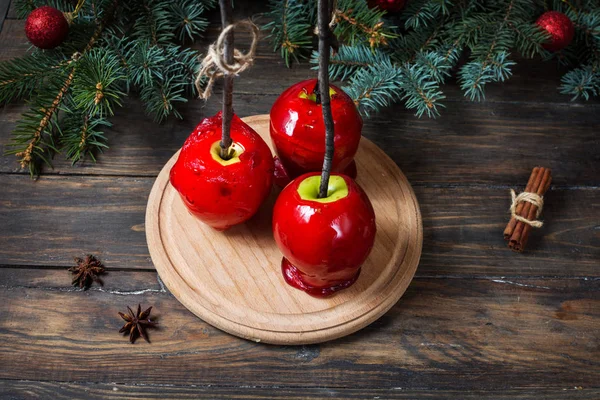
[323, 224]
[298, 131]
[225, 170]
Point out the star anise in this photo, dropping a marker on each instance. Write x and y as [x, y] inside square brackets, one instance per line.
[86, 271]
[136, 323]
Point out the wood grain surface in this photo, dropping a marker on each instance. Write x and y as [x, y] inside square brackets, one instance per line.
[49, 221]
[14, 389]
[477, 321]
[445, 334]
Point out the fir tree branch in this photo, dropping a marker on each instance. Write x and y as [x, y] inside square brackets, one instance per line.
[20, 77]
[581, 82]
[81, 136]
[437, 32]
[374, 87]
[189, 13]
[27, 155]
[355, 22]
[349, 59]
[96, 89]
[290, 28]
[421, 92]
[45, 114]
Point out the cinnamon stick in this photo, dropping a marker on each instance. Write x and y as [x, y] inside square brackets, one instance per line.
[527, 228]
[520, 235]
[510, 227]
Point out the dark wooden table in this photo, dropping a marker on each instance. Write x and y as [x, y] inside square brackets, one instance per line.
[477, 321]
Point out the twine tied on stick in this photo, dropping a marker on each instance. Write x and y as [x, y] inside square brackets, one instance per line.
[529, 197]
[215, 65]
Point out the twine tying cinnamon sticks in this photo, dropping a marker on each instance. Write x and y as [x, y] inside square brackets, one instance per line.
[526, 208]
[215, 65]
[532, 198]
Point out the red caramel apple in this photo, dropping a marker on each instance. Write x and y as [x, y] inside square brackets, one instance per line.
[222, 193]
[324, 241]
[298, 132]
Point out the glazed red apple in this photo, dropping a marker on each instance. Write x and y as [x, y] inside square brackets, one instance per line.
[324, 241]
[298, 132]
[221, 192]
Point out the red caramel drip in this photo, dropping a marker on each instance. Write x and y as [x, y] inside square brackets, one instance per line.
[293, 277]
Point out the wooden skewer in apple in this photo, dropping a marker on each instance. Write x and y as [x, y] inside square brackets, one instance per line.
[298, 122]
[325, 33]
[323, 223]
[226, 20]
[225, 169]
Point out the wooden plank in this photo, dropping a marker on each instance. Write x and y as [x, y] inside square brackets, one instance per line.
[50, 221]
[67, 390]
[4, 8]
[444, 334]
[12, 12]
[495, 144]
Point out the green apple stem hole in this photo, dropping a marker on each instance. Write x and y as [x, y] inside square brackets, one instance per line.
[233, 156]
[336, 190]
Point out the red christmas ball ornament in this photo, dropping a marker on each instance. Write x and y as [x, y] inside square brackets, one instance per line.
[387, 5]
[46, 27]
[560, 28]
[223, 193]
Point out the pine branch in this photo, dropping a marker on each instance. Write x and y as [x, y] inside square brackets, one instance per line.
[190, 23]
[583, 82]
[357, 23]
[434, 64]
[20, 77]
[80, 135]
[349, 59]
[421, 92]
[420, 13]
[529, 38]
[37, 123]
[405, 47]
[146, 63]
[159, 100]
[290, 28]
[154, 21]
[97, 86]
[475, 75]
[24, 7]
[375, 87]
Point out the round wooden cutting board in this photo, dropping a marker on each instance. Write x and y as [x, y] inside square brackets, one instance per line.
[233, 279]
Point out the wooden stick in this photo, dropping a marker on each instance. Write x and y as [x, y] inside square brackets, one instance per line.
[510, 227]
[324, 35]
[226, 20]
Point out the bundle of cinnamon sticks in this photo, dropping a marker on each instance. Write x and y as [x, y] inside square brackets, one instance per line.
[517, 232]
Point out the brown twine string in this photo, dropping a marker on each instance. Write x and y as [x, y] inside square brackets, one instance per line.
[214, 65]
[529, 197]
